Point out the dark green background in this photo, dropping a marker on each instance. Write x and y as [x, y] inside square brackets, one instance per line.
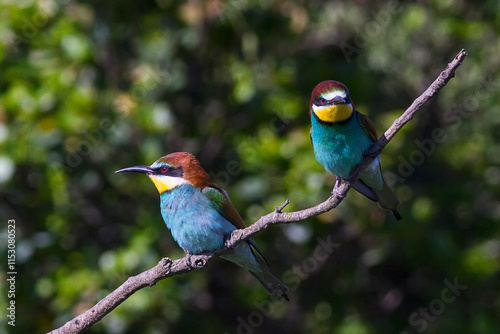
[89, 87]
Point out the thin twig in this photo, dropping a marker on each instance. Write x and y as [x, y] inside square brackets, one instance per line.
[280, 208]
[166, 267]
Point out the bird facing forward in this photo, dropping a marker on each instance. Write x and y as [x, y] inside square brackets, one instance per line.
[341, 136]
[200, 215]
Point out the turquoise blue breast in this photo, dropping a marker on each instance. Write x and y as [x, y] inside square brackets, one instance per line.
[197, 226]
[194, 221]
[340, 147]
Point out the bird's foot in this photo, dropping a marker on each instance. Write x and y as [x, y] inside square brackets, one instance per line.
[335, 191]
[188, 261]
[196, 261]
[228, 244]
[236, 234]
[338, 181]
[165, 265]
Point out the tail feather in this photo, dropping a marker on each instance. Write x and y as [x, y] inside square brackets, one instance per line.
[387, 200]
[397, 214]
[385, 197]
[271, 283]
[364, 189]
[247, 256]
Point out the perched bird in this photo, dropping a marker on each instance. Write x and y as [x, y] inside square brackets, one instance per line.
[200, 215]
[341, 135]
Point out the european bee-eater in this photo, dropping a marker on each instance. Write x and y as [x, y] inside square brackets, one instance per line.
[341, 135]
[200, 215]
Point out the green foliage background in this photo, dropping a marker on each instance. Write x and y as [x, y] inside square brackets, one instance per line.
[88, 87]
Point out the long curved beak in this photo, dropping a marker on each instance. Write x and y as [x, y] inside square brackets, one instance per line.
[137, 169]
[338, 100]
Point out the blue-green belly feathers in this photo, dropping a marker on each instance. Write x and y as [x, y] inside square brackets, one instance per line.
[340, 147]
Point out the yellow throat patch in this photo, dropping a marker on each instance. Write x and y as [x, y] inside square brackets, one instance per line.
[164, 183]
[333, 114]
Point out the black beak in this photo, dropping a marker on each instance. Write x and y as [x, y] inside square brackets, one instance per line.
[338, 100]
[137, 169]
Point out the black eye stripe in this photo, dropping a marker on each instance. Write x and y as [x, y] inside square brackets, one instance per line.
[169, 171]
[321, 101]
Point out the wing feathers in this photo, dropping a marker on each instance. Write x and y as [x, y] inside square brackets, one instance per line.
[221, 200]
[367, 126]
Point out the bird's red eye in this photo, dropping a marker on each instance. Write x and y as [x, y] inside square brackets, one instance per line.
[164, 169]
[322, 100]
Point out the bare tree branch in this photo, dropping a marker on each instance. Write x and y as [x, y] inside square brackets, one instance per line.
[166, 267]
